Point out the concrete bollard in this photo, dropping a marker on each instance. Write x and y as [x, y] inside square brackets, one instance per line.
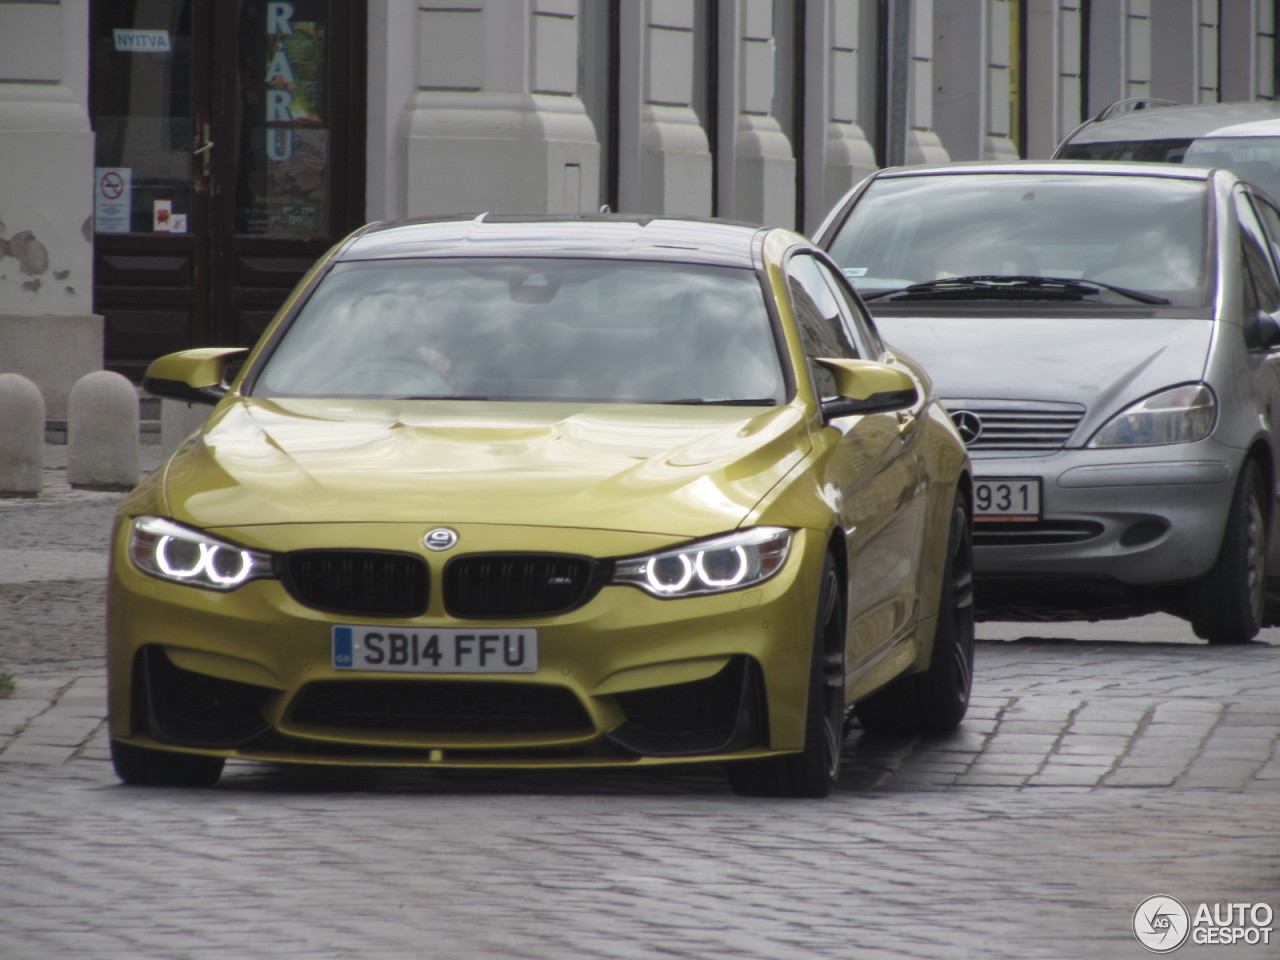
[178, 421]
[21, 436]
[102, 433]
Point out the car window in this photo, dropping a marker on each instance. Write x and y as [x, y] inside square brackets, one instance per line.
[1141, 151]
[1140, 233]
[860, 326]
[819, 319]
[1262, 289]
[1256, 159]
[1270, 218]
[530, 329]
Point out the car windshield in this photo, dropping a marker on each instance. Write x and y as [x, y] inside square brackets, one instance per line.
[1256, 159]
[530, 329]
[1110, 239]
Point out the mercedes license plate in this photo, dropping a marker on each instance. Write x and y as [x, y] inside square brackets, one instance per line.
[1008, 499]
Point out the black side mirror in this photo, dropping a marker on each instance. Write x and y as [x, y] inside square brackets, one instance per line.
[1263, 331]
[876, 403]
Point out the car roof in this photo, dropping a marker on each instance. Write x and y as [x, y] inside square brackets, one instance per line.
[595, 236]
[1259, 119]
[1115, 168]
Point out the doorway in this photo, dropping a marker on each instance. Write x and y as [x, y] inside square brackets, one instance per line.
[229, 156]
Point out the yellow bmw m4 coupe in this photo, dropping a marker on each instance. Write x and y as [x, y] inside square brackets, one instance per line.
[547, 491]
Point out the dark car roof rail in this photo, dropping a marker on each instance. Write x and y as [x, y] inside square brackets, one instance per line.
[1113, 110]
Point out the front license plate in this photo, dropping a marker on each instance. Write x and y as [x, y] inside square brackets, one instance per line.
[1010, 499]
[436, 650]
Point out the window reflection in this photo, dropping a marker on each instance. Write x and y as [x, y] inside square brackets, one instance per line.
[142, 108]
[282, 181]
[531, 329]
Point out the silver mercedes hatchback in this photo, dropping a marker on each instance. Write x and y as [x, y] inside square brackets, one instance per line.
[1107, 338]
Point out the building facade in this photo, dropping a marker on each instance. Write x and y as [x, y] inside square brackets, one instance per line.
[169, 168]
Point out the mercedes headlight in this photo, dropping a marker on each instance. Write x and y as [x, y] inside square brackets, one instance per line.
[717, 565]
[1182, 414]
[181, 554]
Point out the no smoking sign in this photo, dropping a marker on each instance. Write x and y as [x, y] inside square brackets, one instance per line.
[111, 185]
[113, 199]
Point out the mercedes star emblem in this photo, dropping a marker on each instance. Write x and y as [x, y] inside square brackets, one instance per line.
[969, 424]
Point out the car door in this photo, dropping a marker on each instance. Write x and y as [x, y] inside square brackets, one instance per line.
[873, 462]
[1260, 245]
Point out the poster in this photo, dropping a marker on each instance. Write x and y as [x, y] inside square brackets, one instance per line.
[112, 199]
[290, 154]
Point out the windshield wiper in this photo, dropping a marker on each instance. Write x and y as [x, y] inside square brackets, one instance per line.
[757, 402]
[1015, 287]
[447, 396]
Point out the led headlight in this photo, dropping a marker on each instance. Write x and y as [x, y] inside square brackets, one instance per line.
[729, 562]
[170, 551]
[1182, 414]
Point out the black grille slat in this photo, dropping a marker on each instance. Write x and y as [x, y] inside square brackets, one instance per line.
[438, 707]
[1017, 426]
[358, 582]
[1037, 533]
[519, 585]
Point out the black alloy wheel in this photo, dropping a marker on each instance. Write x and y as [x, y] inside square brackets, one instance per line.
[813, 771]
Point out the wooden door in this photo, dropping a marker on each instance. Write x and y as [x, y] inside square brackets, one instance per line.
[230, 146]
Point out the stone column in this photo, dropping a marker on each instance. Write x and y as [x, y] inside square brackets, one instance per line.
[971, 73]
[837, 153]
[1185, 32]
[757, 170]
[1119, 52]
[1249, 34]
[923, 143]
[496, 123]
[48, 332]
[1054, 95]
[664, 159]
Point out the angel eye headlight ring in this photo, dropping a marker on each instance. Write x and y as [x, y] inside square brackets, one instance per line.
[731, 561]
[170, 551]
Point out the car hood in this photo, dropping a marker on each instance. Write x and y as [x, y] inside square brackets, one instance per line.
[677, 470]
[1103, 364]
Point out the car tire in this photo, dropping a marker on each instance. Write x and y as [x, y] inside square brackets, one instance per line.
[813, 771]
[935, 700]
[141, 767]
[1227, 606]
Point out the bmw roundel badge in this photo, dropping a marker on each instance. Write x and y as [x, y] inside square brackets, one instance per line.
[441, 538]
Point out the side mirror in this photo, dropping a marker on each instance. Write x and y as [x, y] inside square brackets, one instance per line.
[1263, 331]
[867, 387]
[193, 376]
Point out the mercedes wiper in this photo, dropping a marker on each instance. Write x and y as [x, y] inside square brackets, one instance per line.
[1015, 287]
[1140, 295]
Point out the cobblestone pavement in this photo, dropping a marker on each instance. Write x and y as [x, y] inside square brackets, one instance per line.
[1100, 765]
